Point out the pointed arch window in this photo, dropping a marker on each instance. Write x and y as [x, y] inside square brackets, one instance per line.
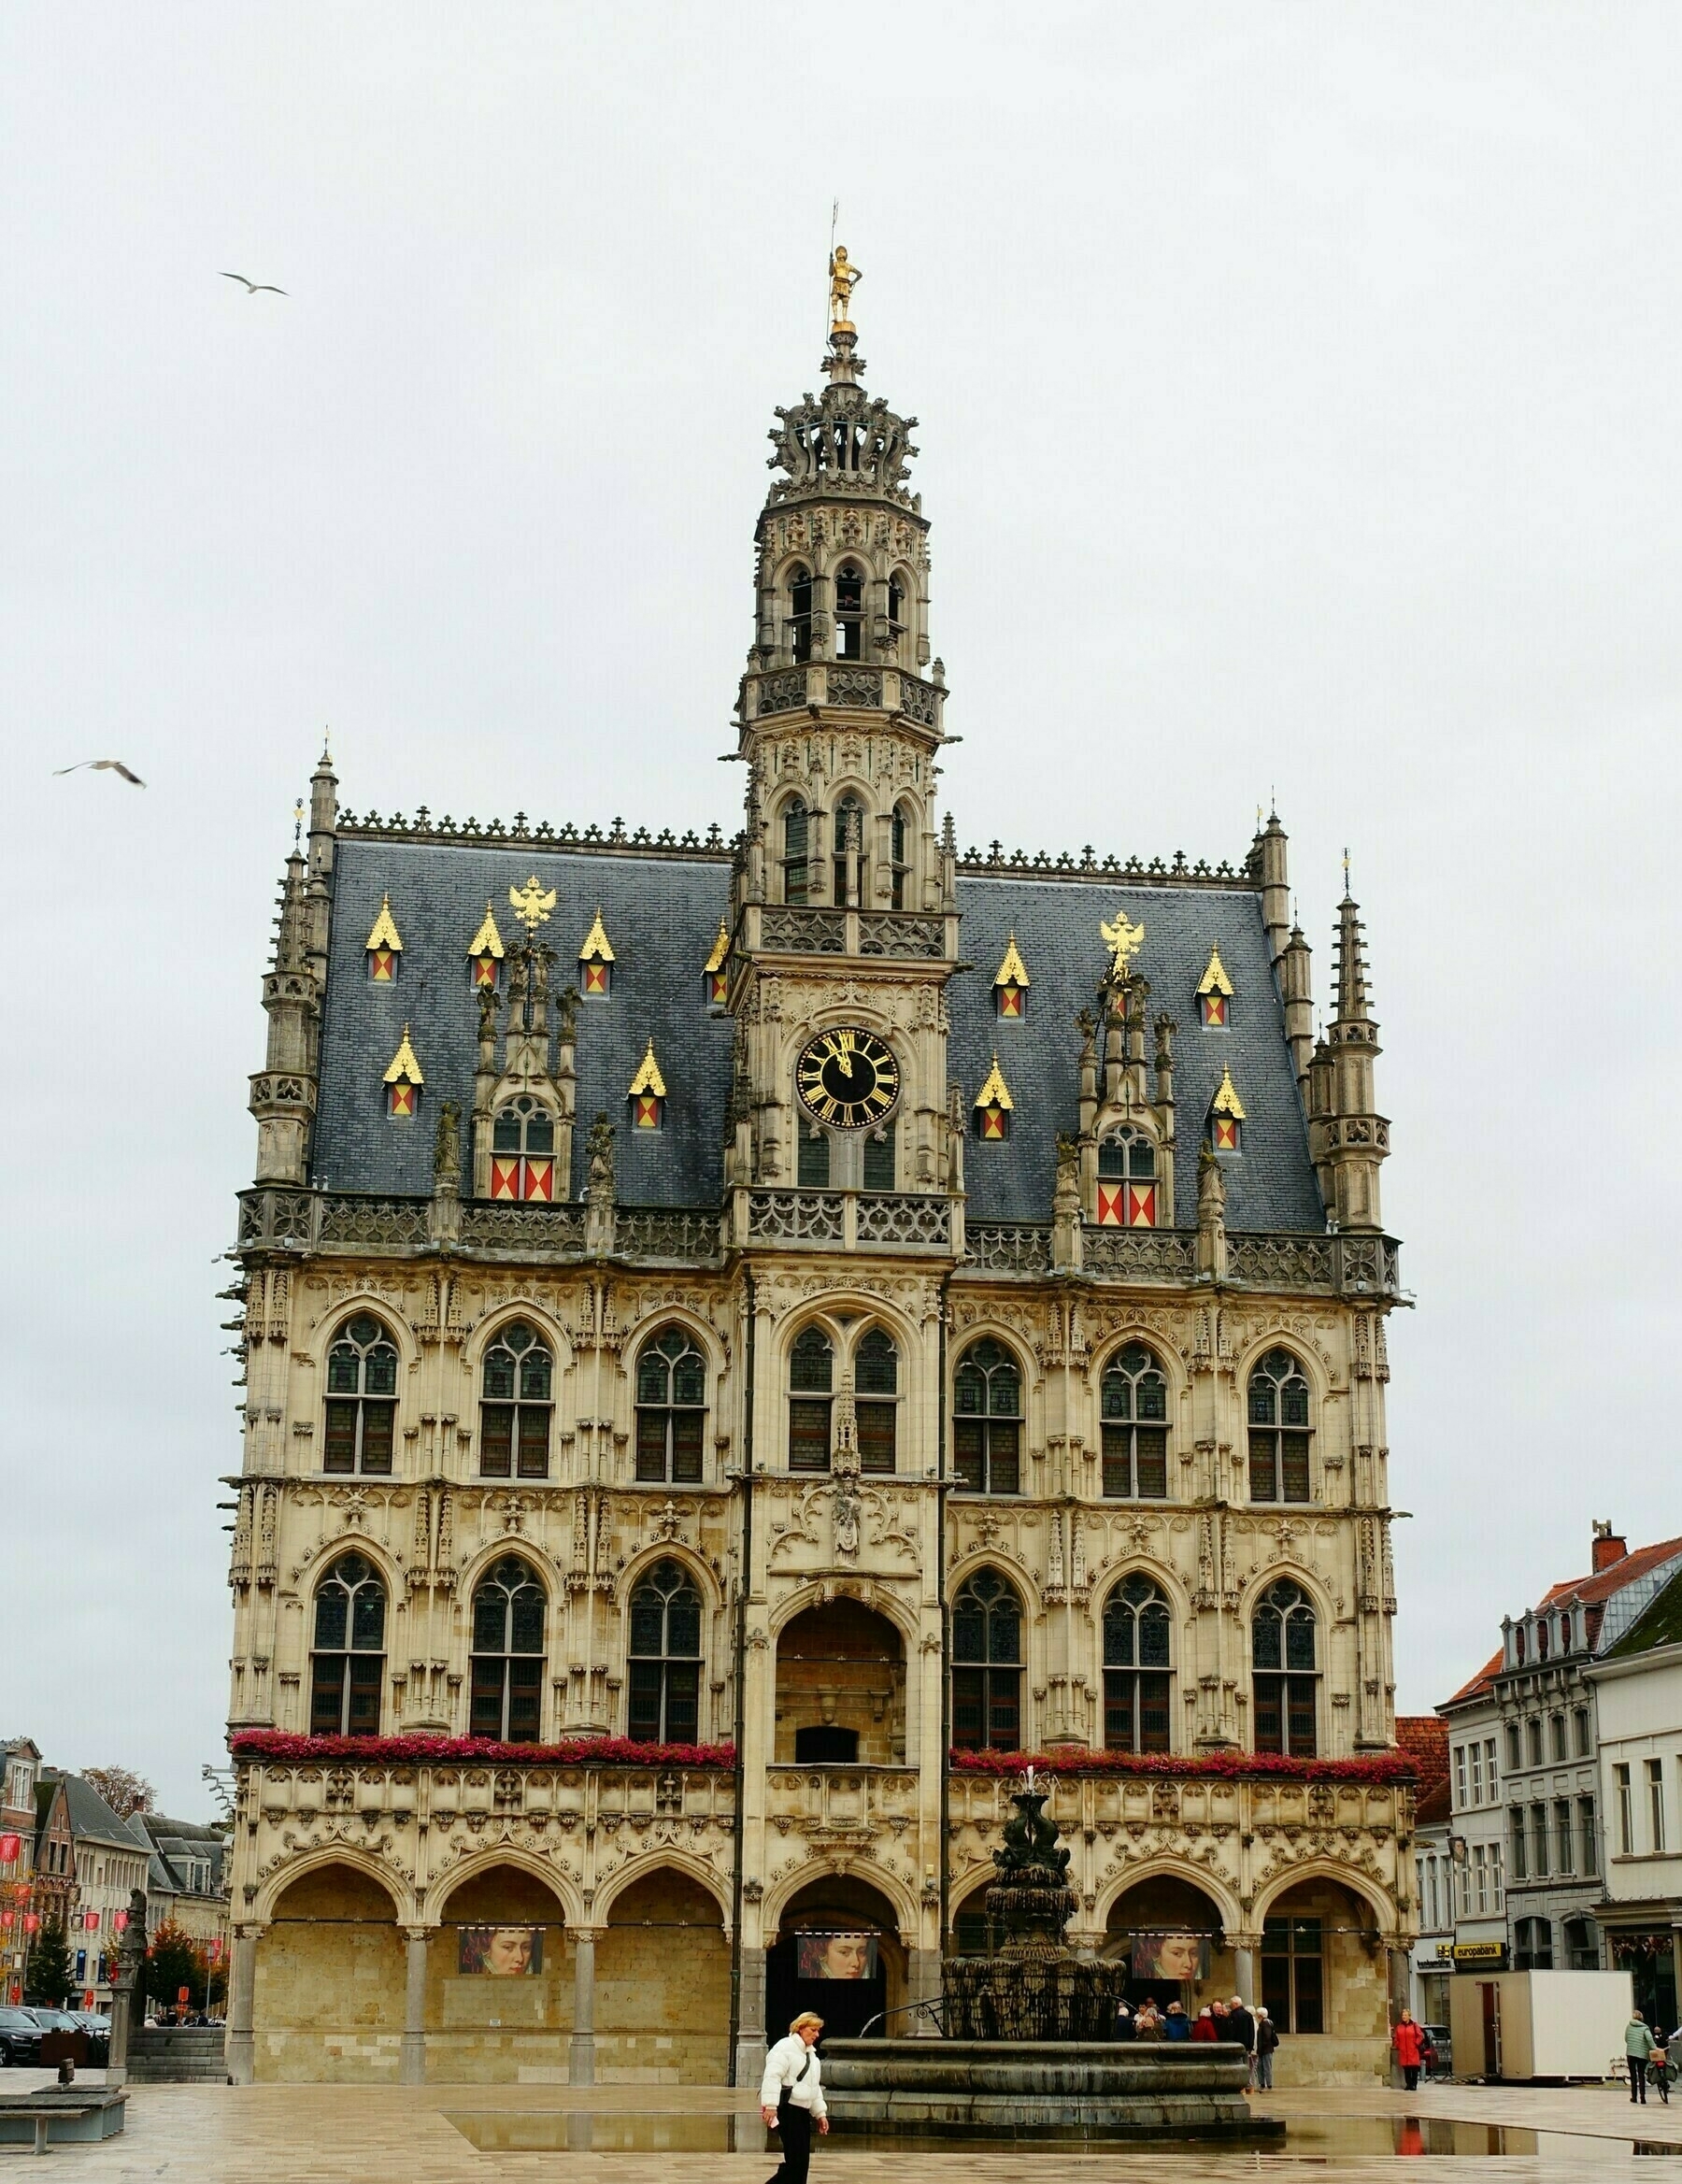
[849, 612]
[800, 612]
[346, 1663]
[879, 1161]
[876, 1403]
[849, 851]
[518, 1406]
[508, 1654]
[523, 1152]
[1127, 1181]
[896, 607]
[811, 1156]
[987, 1425]
[900, 856]
[796, 851]
[987, 1665]
[1133, 1405]
[1137, 1636]
[811, 1385]
[1278, 1430]
[664, 1658]
[1284, 1671]
[671, 1409]
[361, 1399]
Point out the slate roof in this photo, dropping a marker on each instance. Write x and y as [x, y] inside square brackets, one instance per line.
[91, 1820]
[662, 916]
[1659, 1623]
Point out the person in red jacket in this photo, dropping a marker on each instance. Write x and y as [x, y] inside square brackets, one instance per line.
[1204, 2027]
[1408, 2040]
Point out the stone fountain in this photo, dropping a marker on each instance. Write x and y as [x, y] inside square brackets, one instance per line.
[1025, 2048]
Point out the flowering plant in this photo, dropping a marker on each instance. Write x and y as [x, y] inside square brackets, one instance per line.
[1376, 1768]
[575, 1751]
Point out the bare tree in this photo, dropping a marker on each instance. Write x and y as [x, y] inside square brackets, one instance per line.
[122, 1790]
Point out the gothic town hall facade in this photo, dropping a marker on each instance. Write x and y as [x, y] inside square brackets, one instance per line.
[749, 1340]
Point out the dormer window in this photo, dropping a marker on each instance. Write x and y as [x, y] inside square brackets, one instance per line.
[485, 955]
[1226, 1117]
[522, 1153]
[800, 612]
[1127, 1181]
[849, 612]
[993, 1105]
[716, 974]
[1215, 995]
[384, 946]
[1518, 1644]
[1542, 1639]
[648, 1095]
[595, 961]
[1010, 984]
[403, 1081]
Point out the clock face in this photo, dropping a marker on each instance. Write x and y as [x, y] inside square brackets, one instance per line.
[848, 1078]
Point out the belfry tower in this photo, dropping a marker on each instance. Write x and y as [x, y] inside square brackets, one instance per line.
[844, 908]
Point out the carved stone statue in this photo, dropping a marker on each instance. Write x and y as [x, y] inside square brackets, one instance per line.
[844, 278]
[447, 1146]
[600, 1186]
[847, 1517]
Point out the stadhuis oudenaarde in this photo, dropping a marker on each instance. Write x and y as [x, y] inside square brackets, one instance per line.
[744, 1336]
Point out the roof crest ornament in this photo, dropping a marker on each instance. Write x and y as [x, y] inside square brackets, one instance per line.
[720, 952]
[994, 1091]
[595, 948]
[1215, 980]
[1013, 971]
[1226, 1101]
[487, 940]
[532, 905]
[404, 1068]
[385, 934]
[647, 1078]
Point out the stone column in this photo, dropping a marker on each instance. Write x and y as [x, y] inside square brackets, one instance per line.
[581, 2055]
[1244, 1968]
[923, 1984]
[242, 1996]
[413, 2067]
[751, 2027]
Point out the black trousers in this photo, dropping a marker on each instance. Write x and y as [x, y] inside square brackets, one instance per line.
[1637, 2080]
[794, 2127]
[1410, 2077]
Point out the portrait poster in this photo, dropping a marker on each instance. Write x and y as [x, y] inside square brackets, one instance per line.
[500, 1953]
[835, 1956]
[1171, 1956]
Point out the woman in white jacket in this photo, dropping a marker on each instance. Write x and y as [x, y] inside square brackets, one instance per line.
[792, 2096]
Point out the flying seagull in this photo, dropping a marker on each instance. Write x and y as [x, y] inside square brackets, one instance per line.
[113, 765]
[255, 287]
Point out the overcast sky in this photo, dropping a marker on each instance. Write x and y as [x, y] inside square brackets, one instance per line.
[1299, 393]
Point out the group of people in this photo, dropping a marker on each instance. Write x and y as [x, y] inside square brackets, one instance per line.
[1647, 2053]
[1252, 2030]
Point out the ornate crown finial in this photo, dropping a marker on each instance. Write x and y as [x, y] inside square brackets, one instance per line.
[532, 904]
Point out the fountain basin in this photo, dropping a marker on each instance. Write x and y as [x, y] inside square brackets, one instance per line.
[939, 2089]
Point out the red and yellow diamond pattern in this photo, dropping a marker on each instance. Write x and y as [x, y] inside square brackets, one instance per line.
[523, 1178]
[1127, 1206]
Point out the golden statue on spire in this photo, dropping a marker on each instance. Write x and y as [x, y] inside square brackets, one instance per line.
[844, 278]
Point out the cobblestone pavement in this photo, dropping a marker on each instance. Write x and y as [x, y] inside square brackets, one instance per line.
[353, 2135]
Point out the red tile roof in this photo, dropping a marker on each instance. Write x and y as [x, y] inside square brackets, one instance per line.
[1436, 1803]
[1602, 1584]
[1425, 1740]
[1476, 1686]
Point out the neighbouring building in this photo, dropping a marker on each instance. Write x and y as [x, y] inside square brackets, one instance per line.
[742, 1340]
[109, 1865]
[52, 1884]
[1637, 1686]
[1529, 1815]
[19, 1770]
[187, 1877]
[1425, 1739]
[1475, 1876]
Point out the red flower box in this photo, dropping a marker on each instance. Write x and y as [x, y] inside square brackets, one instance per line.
[1378, 1769]
[576, 1752]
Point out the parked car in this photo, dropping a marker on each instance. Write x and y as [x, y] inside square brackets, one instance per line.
[64, 2035]
[20, 2037]
[98, 2030]
[1439, 2051]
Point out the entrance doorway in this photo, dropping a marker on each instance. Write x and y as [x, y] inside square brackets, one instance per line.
[838, 1951]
